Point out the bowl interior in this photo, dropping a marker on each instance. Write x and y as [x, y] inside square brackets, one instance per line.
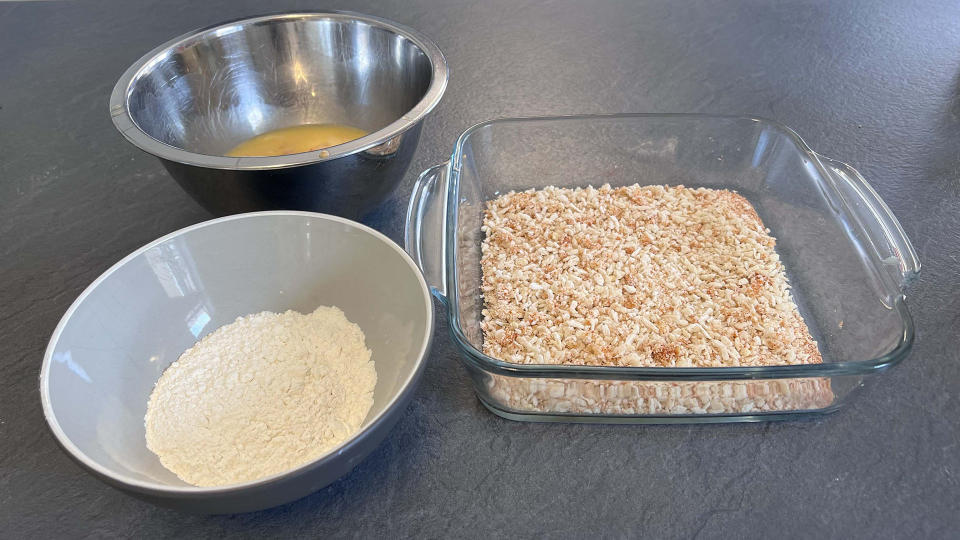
[209, 92]
[139, 317]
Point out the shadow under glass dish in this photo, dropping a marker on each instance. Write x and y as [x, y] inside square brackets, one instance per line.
[191, 100]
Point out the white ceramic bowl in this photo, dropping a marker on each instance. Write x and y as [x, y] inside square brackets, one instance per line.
[121, 333]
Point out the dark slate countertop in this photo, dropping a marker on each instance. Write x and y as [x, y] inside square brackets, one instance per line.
[876, 84]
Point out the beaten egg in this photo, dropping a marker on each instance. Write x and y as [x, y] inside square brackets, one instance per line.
[296, 139]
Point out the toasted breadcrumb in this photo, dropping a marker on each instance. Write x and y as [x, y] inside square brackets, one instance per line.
[636, 276]
[653, 276]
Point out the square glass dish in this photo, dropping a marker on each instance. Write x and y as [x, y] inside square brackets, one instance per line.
[846, 257]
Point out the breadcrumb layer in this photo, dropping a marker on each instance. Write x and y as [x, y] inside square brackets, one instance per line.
[636, 276]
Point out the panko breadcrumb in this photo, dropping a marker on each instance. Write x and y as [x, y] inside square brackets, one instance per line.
[659, 398]
[640, 276]
[636, 276]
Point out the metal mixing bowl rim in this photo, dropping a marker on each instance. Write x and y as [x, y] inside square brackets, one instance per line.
[158, 488]
[125, 123]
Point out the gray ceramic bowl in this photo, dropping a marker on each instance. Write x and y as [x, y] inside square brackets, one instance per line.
[121, 333]
[192, 99]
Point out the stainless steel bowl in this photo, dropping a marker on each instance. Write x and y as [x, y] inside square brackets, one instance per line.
[195, 97]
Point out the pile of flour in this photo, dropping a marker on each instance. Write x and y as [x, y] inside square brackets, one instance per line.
[260, 396]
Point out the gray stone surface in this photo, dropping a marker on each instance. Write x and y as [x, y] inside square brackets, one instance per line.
[875, 84]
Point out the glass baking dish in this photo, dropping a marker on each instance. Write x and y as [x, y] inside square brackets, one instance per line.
[846, 256]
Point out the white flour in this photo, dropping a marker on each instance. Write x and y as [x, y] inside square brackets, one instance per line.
[260, 396]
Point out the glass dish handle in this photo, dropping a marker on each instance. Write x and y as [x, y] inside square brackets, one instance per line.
[884, 235]
[424, 233]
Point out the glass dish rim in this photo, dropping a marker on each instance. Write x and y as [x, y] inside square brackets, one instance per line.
[500, 367]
